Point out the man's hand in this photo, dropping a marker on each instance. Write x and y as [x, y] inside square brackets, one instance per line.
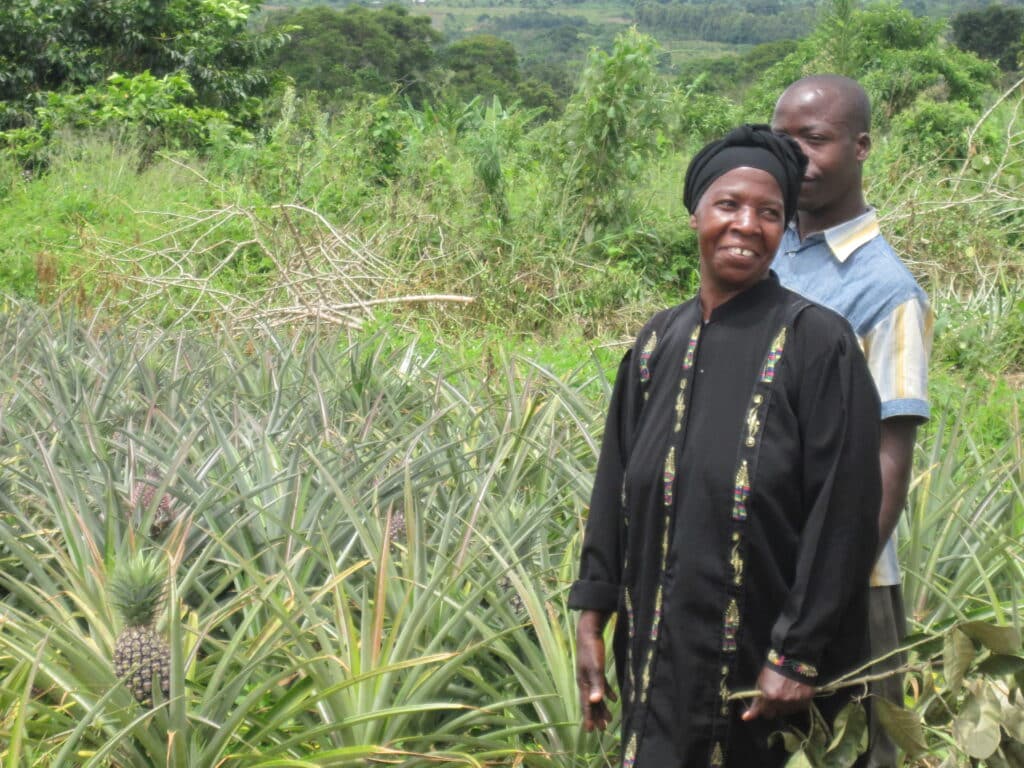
[780, 696]
[590, 678]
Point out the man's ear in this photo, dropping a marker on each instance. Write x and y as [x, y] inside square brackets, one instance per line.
[693, 221]
[863, 146]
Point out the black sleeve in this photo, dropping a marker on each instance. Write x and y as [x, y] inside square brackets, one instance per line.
[842, 489]
[600, 577]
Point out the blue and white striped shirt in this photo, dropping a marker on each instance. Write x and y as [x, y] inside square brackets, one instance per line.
[851, 269]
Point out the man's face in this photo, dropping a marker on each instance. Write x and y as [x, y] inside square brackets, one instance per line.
[816, 118]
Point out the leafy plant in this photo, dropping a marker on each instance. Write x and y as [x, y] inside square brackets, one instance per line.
[611, 128]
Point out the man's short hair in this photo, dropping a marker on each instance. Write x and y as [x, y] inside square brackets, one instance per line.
[856, 104]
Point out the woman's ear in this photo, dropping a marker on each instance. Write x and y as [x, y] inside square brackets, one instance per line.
[693, 221]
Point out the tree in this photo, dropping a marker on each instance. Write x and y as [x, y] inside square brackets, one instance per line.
[357, 50]
[62, 45]
[611, 129]
[483, 65]
[993, 33]
[732, 74]
[896, 56]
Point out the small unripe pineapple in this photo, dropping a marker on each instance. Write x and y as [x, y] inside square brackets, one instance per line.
[137, 591]
[142, 495]
[396, 528]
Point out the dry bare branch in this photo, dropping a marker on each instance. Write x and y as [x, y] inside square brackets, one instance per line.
[315, 272]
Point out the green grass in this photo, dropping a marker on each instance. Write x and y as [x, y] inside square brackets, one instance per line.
[687, 50]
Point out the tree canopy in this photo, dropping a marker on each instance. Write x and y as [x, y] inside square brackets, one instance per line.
[898, 57]
[71, 44]
[339, 53]
[483, 65]
[993, 33]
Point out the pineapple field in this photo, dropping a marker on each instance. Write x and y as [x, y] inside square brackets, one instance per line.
[361, 558]
[285, 550]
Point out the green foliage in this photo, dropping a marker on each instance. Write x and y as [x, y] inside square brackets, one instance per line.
[159, 111]
[730, 75]
[487, 150]
[337, 552]
[895, 55]
[702, 116]
[983, 333]
[71, 44]
[824, 745]
[612, 125]
[994, 32]
[929, 129]
[726, 22]
[482, 66]
[137, 588]
[966, 707]
[385, 135]
[357, 50]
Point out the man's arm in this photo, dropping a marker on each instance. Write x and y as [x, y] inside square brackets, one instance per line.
[896, 453]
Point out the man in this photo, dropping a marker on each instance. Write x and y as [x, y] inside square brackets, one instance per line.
[835, 255]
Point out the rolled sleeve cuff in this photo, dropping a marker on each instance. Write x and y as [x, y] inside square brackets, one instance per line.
[594, 596]
[795, 669]
[906, 407]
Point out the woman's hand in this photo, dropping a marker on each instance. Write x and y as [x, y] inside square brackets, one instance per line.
[780, 696]
[590, 677]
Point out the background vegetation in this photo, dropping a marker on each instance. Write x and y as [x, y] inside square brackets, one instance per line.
[322, 308]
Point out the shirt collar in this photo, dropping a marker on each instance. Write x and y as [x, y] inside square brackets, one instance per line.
[843, 239]
[759, 292]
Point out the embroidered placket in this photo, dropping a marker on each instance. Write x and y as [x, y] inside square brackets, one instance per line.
[732, 617]
[668, 499]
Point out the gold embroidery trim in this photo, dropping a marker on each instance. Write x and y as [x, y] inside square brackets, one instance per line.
[680, 405]
[629, 756]
[753, 423]
[717, 758]
[736, 560]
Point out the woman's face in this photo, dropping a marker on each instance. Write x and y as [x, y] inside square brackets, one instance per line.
[739, 221]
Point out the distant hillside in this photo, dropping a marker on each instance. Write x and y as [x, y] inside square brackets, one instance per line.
[733, 23]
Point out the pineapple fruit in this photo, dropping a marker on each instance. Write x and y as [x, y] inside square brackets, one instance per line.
[137, 591]
[141, 498]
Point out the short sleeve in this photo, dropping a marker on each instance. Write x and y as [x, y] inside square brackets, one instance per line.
[897, 350]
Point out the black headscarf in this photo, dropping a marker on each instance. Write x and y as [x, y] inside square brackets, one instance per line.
[752, 146]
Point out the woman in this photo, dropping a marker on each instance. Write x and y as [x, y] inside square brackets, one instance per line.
[732, 523]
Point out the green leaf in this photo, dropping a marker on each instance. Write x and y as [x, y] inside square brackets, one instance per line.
[997, 639]
[976, 730]
[799, 760]
[1013, 720]
[791, 740]
[957, 655]
[902, 725]
[941, 708]
[850, 737]
[998, 665]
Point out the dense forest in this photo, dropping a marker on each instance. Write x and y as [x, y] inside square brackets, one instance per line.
[308, 316]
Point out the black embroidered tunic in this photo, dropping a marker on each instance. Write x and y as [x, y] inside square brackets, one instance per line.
[733, 520]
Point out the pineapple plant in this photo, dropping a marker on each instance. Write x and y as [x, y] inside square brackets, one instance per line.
[141, 656]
